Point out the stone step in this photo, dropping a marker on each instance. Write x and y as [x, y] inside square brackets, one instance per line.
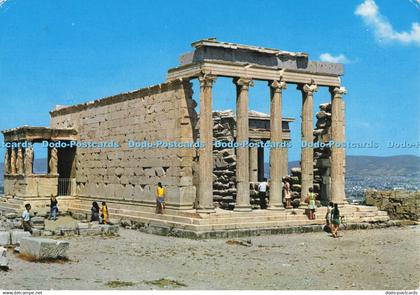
[149, 215]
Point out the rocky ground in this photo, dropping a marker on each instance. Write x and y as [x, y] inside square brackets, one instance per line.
[366, 259]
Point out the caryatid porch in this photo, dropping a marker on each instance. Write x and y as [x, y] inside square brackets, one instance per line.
[19, 177]
[278, 68]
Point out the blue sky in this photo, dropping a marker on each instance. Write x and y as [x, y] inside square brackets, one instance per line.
[67, 52]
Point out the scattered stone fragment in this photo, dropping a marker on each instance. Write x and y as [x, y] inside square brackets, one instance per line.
[4, 261]
[43, 248]
[16, 236]
[4, 238]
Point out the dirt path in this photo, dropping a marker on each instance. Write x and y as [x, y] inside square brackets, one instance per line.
[368, 259]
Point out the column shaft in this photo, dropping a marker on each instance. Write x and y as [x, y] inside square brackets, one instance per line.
[337, 153]
[276, 131]
[205, 192]
[253, 164]
[307, 154]
[242, 137]
[261, 168]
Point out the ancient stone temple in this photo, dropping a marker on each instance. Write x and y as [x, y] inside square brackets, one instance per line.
[118, 148]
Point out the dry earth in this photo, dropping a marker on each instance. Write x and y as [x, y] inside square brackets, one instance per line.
[367, 259]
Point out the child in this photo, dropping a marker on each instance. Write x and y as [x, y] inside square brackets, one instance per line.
[160, 199]
[26, 219]
[105, 213]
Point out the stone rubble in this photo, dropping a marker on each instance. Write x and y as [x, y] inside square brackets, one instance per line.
[43, 248]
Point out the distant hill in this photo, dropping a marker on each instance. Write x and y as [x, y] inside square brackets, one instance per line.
[359, 166]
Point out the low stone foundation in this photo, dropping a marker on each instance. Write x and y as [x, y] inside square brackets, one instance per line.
[398, 204]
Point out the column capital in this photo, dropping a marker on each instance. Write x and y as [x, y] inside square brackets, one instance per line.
[207, 80]
[244, 83]
[278, 85]
[338, 91]
[308, 88]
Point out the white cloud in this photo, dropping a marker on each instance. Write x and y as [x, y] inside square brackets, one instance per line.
[2, 2]
[341, 58]
[383, 29]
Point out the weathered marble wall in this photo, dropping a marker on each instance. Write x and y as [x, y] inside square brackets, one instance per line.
[163, 112]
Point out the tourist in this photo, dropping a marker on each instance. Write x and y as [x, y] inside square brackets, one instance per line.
[287, 194]
[335, 220]
[160, 199]
[26, 219]
[262, 193]
[94, 212]
[104, 213]
[311, 205]
[53, 207]
[328, 221]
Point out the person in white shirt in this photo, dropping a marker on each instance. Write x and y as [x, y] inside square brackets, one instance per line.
[26, 219]
[262, 193]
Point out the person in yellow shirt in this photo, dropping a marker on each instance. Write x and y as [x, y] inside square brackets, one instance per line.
[160, 199]
[105, 213]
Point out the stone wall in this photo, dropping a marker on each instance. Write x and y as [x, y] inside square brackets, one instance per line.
[224, 165]
[163, 112]
[322, 159]
[398, 204]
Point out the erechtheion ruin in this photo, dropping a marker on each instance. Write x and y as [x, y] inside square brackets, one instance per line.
[100, 150]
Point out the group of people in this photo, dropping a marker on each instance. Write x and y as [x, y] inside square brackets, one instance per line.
[332, 219]
[262, 193]
[100, 215]
[26, 215]
[333, 213]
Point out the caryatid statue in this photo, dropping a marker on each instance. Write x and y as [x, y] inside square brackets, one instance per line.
[29, 158]
[13, 161]
[6, 162]
[19, 161]
[52, 163]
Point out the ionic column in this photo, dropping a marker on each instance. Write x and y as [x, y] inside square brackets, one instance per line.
[13, 161]
[307, 154]
[7, 161]
[253, 163]
[19, 161]
[29, 159]
[53, 161]
[242, 137]
[205, 192]
[338, 156]
[276, 131]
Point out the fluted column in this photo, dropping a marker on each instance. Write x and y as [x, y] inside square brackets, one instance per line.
[338, 155]
[242, 137]
[307, 154]
[253, 163]
[13, 161]
[205, 192]
[276, 131]
[29, 159]
[19, 161]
